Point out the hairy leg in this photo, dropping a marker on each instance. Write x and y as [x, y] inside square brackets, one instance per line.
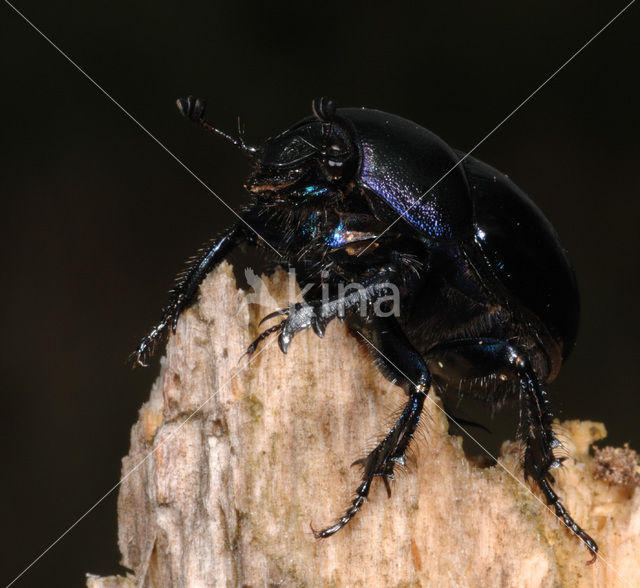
[185, 290]
[317, 314]
[471, 359]
[404, 363]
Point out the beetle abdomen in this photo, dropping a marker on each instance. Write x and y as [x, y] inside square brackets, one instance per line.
[524, 251]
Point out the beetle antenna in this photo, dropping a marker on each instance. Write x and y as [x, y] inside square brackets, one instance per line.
[193, 109]
[326, 135]
[324, 109]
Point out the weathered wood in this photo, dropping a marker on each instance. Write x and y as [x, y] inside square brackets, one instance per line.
[225, 496]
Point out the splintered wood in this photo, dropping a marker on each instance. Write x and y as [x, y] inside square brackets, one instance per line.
[233, 458]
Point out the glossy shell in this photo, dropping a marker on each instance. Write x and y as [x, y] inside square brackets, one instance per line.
[414, 171]
[417, 175]
[524, 251]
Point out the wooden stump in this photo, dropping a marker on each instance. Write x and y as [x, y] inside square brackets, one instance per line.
[232, 460]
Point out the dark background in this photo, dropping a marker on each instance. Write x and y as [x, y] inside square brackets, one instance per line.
[97, 218]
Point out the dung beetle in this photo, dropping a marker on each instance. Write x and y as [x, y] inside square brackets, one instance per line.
[488, 302]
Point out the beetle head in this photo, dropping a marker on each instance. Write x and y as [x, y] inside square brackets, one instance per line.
[316, 156]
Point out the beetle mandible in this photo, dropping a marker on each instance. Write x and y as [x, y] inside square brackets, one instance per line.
[488, 299]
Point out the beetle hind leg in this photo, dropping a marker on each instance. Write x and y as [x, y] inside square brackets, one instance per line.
[472, 359]
[539, 458]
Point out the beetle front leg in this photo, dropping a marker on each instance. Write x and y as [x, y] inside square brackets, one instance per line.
[184, 292]
[317, 314]
[409, 370]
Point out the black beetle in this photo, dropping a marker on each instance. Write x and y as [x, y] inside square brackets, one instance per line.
[488, 302]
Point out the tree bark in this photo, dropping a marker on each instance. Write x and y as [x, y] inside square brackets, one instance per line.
[231, 460]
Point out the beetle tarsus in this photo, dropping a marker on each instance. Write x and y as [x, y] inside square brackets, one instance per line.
[261, 337]
[146, 347]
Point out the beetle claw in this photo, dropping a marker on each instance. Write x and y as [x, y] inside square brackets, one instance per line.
[284, 340]
[387, 486]
[318, 326]
[281, 312]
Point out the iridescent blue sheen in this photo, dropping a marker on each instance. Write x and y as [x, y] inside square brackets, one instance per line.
[404, 195]
[414, 172]
[338, 237]
[314, 190]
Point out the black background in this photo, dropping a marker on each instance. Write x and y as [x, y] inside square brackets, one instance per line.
[97, 218]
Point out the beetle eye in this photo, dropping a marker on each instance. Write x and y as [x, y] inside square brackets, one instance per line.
[337, 151]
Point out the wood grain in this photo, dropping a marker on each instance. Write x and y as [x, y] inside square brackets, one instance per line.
[231, 461]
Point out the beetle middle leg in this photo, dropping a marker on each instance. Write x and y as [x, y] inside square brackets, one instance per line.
[471, 359]
[406, 366]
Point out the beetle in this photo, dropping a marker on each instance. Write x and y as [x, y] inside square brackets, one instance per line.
[488, 301]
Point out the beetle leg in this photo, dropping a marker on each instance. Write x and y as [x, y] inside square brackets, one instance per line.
[317, 314]
[185, 290]
[300, 317]
[473, 359]
[539, 459]
[254, 345]
[406, 366]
